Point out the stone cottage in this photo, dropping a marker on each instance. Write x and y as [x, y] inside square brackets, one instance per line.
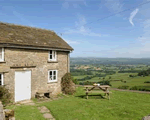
[31, 59]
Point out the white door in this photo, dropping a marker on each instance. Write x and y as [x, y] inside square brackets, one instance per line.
[22, 85]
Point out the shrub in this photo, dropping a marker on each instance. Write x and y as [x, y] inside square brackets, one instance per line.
[75, 81]
[131, 76]
[86, 83]
[68, 87]
[105, 82]
[141, 88]
[147, 82]
[123, 87]
[5, 96]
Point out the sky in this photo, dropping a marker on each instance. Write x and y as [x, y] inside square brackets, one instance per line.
[92, 27]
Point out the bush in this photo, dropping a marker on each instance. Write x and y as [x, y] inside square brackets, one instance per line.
[123, 87]
[147, 82]
[5, 96]
[131, 76]
[105, 82]
[86, 83]
[75, 81]
[141, 88]
[68, 87]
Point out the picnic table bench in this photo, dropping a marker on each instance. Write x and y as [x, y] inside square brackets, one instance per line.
[104, 88]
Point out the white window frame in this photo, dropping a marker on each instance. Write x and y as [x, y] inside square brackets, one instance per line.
[2, 78]
[2, 59]
[49, 81]
[54, 53]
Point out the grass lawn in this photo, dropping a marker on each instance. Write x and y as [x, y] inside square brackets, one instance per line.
[26, 112]
[121, 106]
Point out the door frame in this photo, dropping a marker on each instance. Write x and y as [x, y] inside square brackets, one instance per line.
[15, 83]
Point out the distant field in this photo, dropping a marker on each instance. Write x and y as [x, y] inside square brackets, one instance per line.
[136, 81]
[80, 76]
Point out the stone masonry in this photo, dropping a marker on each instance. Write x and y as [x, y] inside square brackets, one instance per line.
[39, 73]
[2, 115]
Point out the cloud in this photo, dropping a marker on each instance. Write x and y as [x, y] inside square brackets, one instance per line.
[132, 15]
[72, 42]
[81, 29]
[75, 3]
[112, 5]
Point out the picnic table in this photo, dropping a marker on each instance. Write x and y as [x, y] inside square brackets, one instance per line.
[99, 89]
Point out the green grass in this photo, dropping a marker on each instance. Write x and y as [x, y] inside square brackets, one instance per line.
[136, 81]
[25, 112]
[80, 76]
[121, 106]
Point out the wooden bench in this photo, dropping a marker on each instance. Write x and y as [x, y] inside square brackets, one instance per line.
[41, 93]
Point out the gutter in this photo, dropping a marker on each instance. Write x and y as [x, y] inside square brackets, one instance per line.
[32, 47]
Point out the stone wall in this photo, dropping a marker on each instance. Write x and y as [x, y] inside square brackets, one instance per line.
[2, 115]
[39, 77]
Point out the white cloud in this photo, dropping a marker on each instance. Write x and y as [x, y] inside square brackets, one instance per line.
[112, 5]
[81, 29]
[75, 3]
[132, 15]
[72, 42]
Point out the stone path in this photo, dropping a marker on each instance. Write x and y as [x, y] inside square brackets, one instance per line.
[46, 113]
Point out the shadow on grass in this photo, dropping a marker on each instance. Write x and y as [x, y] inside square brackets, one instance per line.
[91, 96]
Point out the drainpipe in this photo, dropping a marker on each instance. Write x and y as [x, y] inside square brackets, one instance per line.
[68, 62]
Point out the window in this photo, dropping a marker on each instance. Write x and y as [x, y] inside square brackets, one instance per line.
[52, 75]
[1, 79]
[1, 54]
[52, 55]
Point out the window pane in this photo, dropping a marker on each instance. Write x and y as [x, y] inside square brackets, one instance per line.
[50, 78]
[50, 51]
[50, 72]
[54, 77]
[50, 56]
[54, 72]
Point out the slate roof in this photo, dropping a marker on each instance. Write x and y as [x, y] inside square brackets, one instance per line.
[12, 34]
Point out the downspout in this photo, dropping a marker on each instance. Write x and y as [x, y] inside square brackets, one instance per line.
[69, 62]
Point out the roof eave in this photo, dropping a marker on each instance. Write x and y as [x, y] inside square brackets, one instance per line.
[34, 47]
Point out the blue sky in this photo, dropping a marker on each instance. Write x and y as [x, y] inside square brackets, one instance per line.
[123, 35]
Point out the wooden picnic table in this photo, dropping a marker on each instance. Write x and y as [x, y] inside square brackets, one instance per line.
[91, 88]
